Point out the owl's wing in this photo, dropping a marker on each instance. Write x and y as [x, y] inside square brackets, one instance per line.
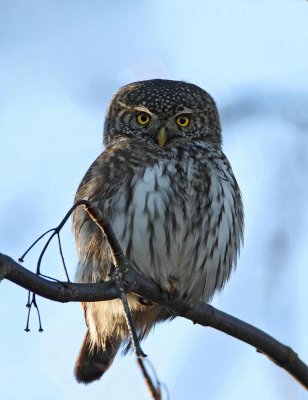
[100, 185]
[93, 251]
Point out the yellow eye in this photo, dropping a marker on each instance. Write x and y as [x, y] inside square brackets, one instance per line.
[143, 119]
[182, 120]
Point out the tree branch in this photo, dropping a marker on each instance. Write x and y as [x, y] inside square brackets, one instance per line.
[204, 314]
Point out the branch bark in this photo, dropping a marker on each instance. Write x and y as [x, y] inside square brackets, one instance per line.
[204, 314]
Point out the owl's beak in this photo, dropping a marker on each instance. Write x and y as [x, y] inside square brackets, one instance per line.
[162, 137]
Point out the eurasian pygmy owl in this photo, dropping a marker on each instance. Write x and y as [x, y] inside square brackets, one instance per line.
[170, 195]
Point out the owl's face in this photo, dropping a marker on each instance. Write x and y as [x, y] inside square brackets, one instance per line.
[163, 112]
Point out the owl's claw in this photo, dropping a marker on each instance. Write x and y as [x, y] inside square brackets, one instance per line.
[124, 271]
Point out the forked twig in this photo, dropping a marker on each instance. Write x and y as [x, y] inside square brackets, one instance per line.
[120, 273]
[55, 232]
[29, 306]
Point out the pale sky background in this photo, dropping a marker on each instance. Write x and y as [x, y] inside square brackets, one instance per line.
[60, 63]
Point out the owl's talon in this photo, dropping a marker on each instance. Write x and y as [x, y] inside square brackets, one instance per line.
[125, 273]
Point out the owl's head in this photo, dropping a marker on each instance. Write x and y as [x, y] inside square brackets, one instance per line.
[163, 112]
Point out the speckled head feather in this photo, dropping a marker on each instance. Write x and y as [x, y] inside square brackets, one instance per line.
[164, 99]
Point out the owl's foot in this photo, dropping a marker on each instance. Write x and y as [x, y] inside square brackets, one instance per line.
[126, 276]
[170, 294]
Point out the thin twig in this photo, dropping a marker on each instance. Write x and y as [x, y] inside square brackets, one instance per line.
[29, 307]
[62, 257]
[97, 217]
[21, 259]
[118, 280]
[121, 265]
[55, 231]
[153, 390]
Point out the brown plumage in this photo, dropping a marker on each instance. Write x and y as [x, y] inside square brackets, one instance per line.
[169, 192]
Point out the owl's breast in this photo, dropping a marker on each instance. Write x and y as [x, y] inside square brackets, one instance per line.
[177, 219]
[154, 229]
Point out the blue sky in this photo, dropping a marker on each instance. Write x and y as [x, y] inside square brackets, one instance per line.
[60, 62]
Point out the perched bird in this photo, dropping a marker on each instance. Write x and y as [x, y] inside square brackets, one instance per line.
[170, 195]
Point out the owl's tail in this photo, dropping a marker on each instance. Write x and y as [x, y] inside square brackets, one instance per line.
[92, 363]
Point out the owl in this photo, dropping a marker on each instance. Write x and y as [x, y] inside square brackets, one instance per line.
[168, 190]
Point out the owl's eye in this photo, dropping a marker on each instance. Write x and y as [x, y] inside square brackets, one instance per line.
[143, 119]
[182, 120]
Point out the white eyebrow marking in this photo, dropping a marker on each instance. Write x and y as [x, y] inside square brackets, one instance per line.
[143, 109]
[124, 105]
[185, 110]
[137, 108]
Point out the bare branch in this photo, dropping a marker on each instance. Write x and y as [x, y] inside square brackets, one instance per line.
[204, 314]
[58, 291]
